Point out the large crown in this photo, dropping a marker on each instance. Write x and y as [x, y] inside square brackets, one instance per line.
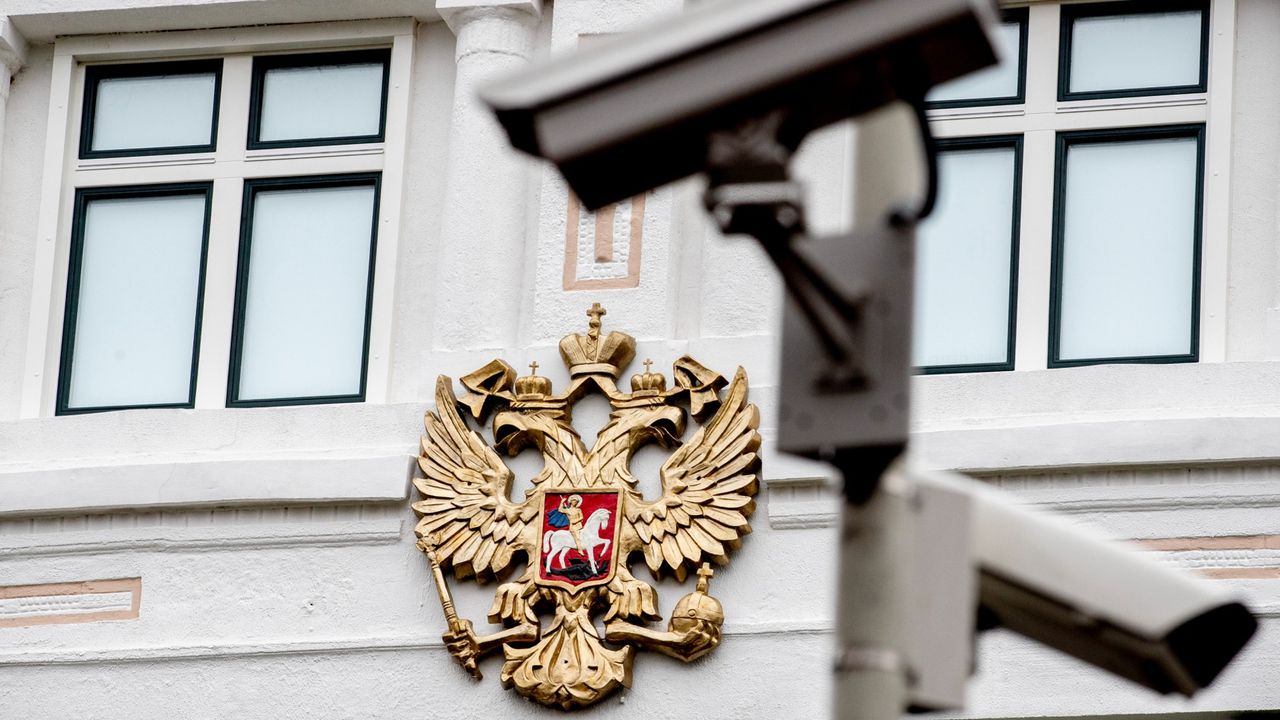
[596, 354]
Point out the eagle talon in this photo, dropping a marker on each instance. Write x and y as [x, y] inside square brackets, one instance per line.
[697, 638]
[464, 647]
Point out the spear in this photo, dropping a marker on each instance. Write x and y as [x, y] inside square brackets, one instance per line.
[456, 626]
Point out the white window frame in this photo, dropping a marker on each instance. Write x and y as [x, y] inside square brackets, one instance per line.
[227, 167]
[1042, 116]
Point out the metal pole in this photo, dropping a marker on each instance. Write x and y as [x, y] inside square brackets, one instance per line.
[872, 676]
[846, 357]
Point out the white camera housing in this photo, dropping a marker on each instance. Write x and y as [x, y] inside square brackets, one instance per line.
[1112, 606]
[635, 112]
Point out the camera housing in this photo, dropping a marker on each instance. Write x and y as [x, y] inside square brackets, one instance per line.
[636, 112]
[1112, 606]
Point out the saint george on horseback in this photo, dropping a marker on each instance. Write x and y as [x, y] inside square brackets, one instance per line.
[569, 514]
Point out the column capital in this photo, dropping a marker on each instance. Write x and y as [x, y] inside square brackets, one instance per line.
[13, 47]
[455, 10]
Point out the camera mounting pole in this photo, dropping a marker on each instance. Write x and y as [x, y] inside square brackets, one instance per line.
[851, 298]
[750, 192]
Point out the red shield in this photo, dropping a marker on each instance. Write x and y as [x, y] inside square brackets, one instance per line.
[589, 558]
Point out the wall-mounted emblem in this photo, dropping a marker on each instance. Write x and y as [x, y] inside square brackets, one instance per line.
[583, 521]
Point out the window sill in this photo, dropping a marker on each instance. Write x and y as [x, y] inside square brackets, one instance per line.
[158, 459]
[1100, 415]
[1002, 423]
[207, 483]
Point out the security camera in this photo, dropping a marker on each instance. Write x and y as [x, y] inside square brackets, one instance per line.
[1109, 605]
[636, 112]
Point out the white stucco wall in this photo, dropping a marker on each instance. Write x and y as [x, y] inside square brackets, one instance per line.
[279, 576]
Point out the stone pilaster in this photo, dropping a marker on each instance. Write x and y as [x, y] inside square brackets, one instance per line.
[13, 54]
[483, 237]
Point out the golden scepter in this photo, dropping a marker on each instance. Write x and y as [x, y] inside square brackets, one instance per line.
[456, 626]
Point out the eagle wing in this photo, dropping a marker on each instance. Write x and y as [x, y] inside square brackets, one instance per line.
[465, 511]
[708, 485]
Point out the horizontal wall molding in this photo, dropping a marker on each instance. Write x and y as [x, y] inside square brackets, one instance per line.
[74, 602]
[43, 24]
[1225, 559]
[167, 539]
[1231, 542]
[1160, 503]
[221, 483]
[330, 646]
[1103, 443]
[1161, 488]
[783, 630]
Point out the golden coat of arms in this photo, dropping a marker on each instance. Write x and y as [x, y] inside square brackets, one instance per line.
[583, 521]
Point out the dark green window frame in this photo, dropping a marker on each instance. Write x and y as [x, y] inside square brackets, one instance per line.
[1070, 13]
[251, 189]
[982, 143]
[1064, 141]
[263, 63]
[71, 308]
[1015, 15]
[94, 74]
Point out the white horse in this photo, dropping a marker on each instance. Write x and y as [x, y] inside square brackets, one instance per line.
[555, 543]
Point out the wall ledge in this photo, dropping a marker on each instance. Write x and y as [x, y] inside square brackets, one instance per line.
[214, 483]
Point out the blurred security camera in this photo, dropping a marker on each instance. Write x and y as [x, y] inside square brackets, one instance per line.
[1109, 605]
[636, 112]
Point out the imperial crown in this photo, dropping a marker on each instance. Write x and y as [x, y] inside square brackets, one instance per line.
[533, 386]
[648, 382]
[592, 354]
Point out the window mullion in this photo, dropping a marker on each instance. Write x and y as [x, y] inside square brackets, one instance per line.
[1035, 251]
[219, 292]
[233, 122]
[1042, 58]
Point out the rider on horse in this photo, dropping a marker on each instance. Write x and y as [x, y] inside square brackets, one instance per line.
[572, 509]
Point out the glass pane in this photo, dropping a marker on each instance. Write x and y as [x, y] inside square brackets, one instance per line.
[158, 111]
[135, 317]
[1128, 249]
[1000, 81]
[1148, 50]
[964, 254]
[323, 101]
[307, 291]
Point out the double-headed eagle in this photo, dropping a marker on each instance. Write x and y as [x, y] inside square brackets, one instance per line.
[582, 521]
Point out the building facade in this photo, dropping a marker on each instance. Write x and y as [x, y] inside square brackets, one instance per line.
[240, 239]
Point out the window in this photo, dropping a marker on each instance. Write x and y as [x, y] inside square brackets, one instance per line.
[133, 298]
[1121, 50]
[302, 100]
[966, 257]
[229, 218]
[150, 109]
[1003, 84]
[1076, 222]
[1126, 246]
[303, 335]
